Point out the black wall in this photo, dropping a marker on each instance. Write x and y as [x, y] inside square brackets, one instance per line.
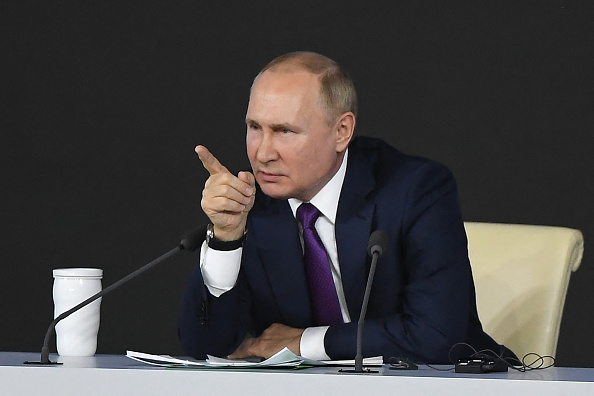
[102, 103]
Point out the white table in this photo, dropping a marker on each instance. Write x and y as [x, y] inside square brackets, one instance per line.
[117, 375]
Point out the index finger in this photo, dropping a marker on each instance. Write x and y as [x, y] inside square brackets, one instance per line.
[209, 161]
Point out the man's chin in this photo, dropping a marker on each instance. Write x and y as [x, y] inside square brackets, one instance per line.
[273, 190]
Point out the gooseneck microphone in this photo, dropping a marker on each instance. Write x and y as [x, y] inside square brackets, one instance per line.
[191, 241]
[378, 242]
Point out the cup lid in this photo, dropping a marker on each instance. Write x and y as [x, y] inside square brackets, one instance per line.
[78, 272]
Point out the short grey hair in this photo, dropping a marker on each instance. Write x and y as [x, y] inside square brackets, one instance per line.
[336, 87]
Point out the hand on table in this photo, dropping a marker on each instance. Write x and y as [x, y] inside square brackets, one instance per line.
[272, 340]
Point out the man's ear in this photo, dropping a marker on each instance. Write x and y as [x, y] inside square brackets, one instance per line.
[345, 128]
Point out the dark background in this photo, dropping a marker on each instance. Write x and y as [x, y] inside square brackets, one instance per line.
[102, 103]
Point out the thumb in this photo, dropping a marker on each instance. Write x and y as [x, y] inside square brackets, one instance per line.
[248, 178]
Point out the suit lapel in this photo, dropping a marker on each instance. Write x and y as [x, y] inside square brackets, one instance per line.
[354, 221]
[282, 259]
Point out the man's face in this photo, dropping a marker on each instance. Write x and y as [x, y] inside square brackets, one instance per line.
[292, 149]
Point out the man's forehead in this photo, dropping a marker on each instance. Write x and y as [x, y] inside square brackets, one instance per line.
[270, 108]
[285, 86]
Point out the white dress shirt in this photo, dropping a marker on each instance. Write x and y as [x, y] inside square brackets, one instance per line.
[221, 268]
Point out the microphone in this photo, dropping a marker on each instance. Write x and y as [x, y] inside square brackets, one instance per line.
[378, 242]
[191, 241]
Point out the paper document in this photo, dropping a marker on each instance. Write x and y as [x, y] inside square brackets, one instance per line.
[283, 358]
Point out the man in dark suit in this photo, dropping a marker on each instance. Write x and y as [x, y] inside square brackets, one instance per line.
[254, 292]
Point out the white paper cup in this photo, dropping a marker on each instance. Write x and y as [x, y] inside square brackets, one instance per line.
[76, 335]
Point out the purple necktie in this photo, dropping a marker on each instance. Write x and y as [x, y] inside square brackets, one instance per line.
[326, 307]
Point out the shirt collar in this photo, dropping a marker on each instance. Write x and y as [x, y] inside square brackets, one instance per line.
[326, 200]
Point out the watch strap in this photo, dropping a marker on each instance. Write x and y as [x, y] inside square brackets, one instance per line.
[217, 244]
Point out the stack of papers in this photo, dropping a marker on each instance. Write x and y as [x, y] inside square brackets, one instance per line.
[284, 358]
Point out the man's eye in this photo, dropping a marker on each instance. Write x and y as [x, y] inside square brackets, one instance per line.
[287, 130]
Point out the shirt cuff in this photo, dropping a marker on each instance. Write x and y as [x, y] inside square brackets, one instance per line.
[220, 268]
[311, 345]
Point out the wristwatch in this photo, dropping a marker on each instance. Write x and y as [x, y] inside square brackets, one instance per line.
[217, 244]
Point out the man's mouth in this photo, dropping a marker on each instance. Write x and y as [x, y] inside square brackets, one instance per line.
[269, 177]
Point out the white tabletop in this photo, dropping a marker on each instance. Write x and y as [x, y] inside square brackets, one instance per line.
[119, 375]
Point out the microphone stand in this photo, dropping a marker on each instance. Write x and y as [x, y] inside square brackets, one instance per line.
[189, 242]
[377, 244]
[359, 355]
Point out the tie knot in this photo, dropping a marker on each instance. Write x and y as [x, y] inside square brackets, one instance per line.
[307, 214]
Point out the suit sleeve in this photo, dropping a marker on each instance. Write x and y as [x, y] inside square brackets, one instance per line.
[212, 325]
[428, 249]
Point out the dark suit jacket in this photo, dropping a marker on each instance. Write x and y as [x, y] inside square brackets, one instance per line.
[422, 301]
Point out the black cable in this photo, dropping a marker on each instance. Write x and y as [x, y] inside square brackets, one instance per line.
[512, 363]
[538, 362]
[539, 358]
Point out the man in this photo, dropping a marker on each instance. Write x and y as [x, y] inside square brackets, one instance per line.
[255, 291]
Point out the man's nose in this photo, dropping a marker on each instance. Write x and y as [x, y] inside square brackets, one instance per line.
[267, 150]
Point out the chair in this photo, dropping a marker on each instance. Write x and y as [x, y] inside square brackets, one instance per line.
[521, 274]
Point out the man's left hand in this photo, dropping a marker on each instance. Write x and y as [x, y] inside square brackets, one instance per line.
[272, 340]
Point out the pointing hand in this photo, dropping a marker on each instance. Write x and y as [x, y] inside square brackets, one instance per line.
[226, 199]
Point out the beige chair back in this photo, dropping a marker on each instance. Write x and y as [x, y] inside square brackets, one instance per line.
[521, 274]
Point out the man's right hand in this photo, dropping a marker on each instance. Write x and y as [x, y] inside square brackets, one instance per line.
[226, 199]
